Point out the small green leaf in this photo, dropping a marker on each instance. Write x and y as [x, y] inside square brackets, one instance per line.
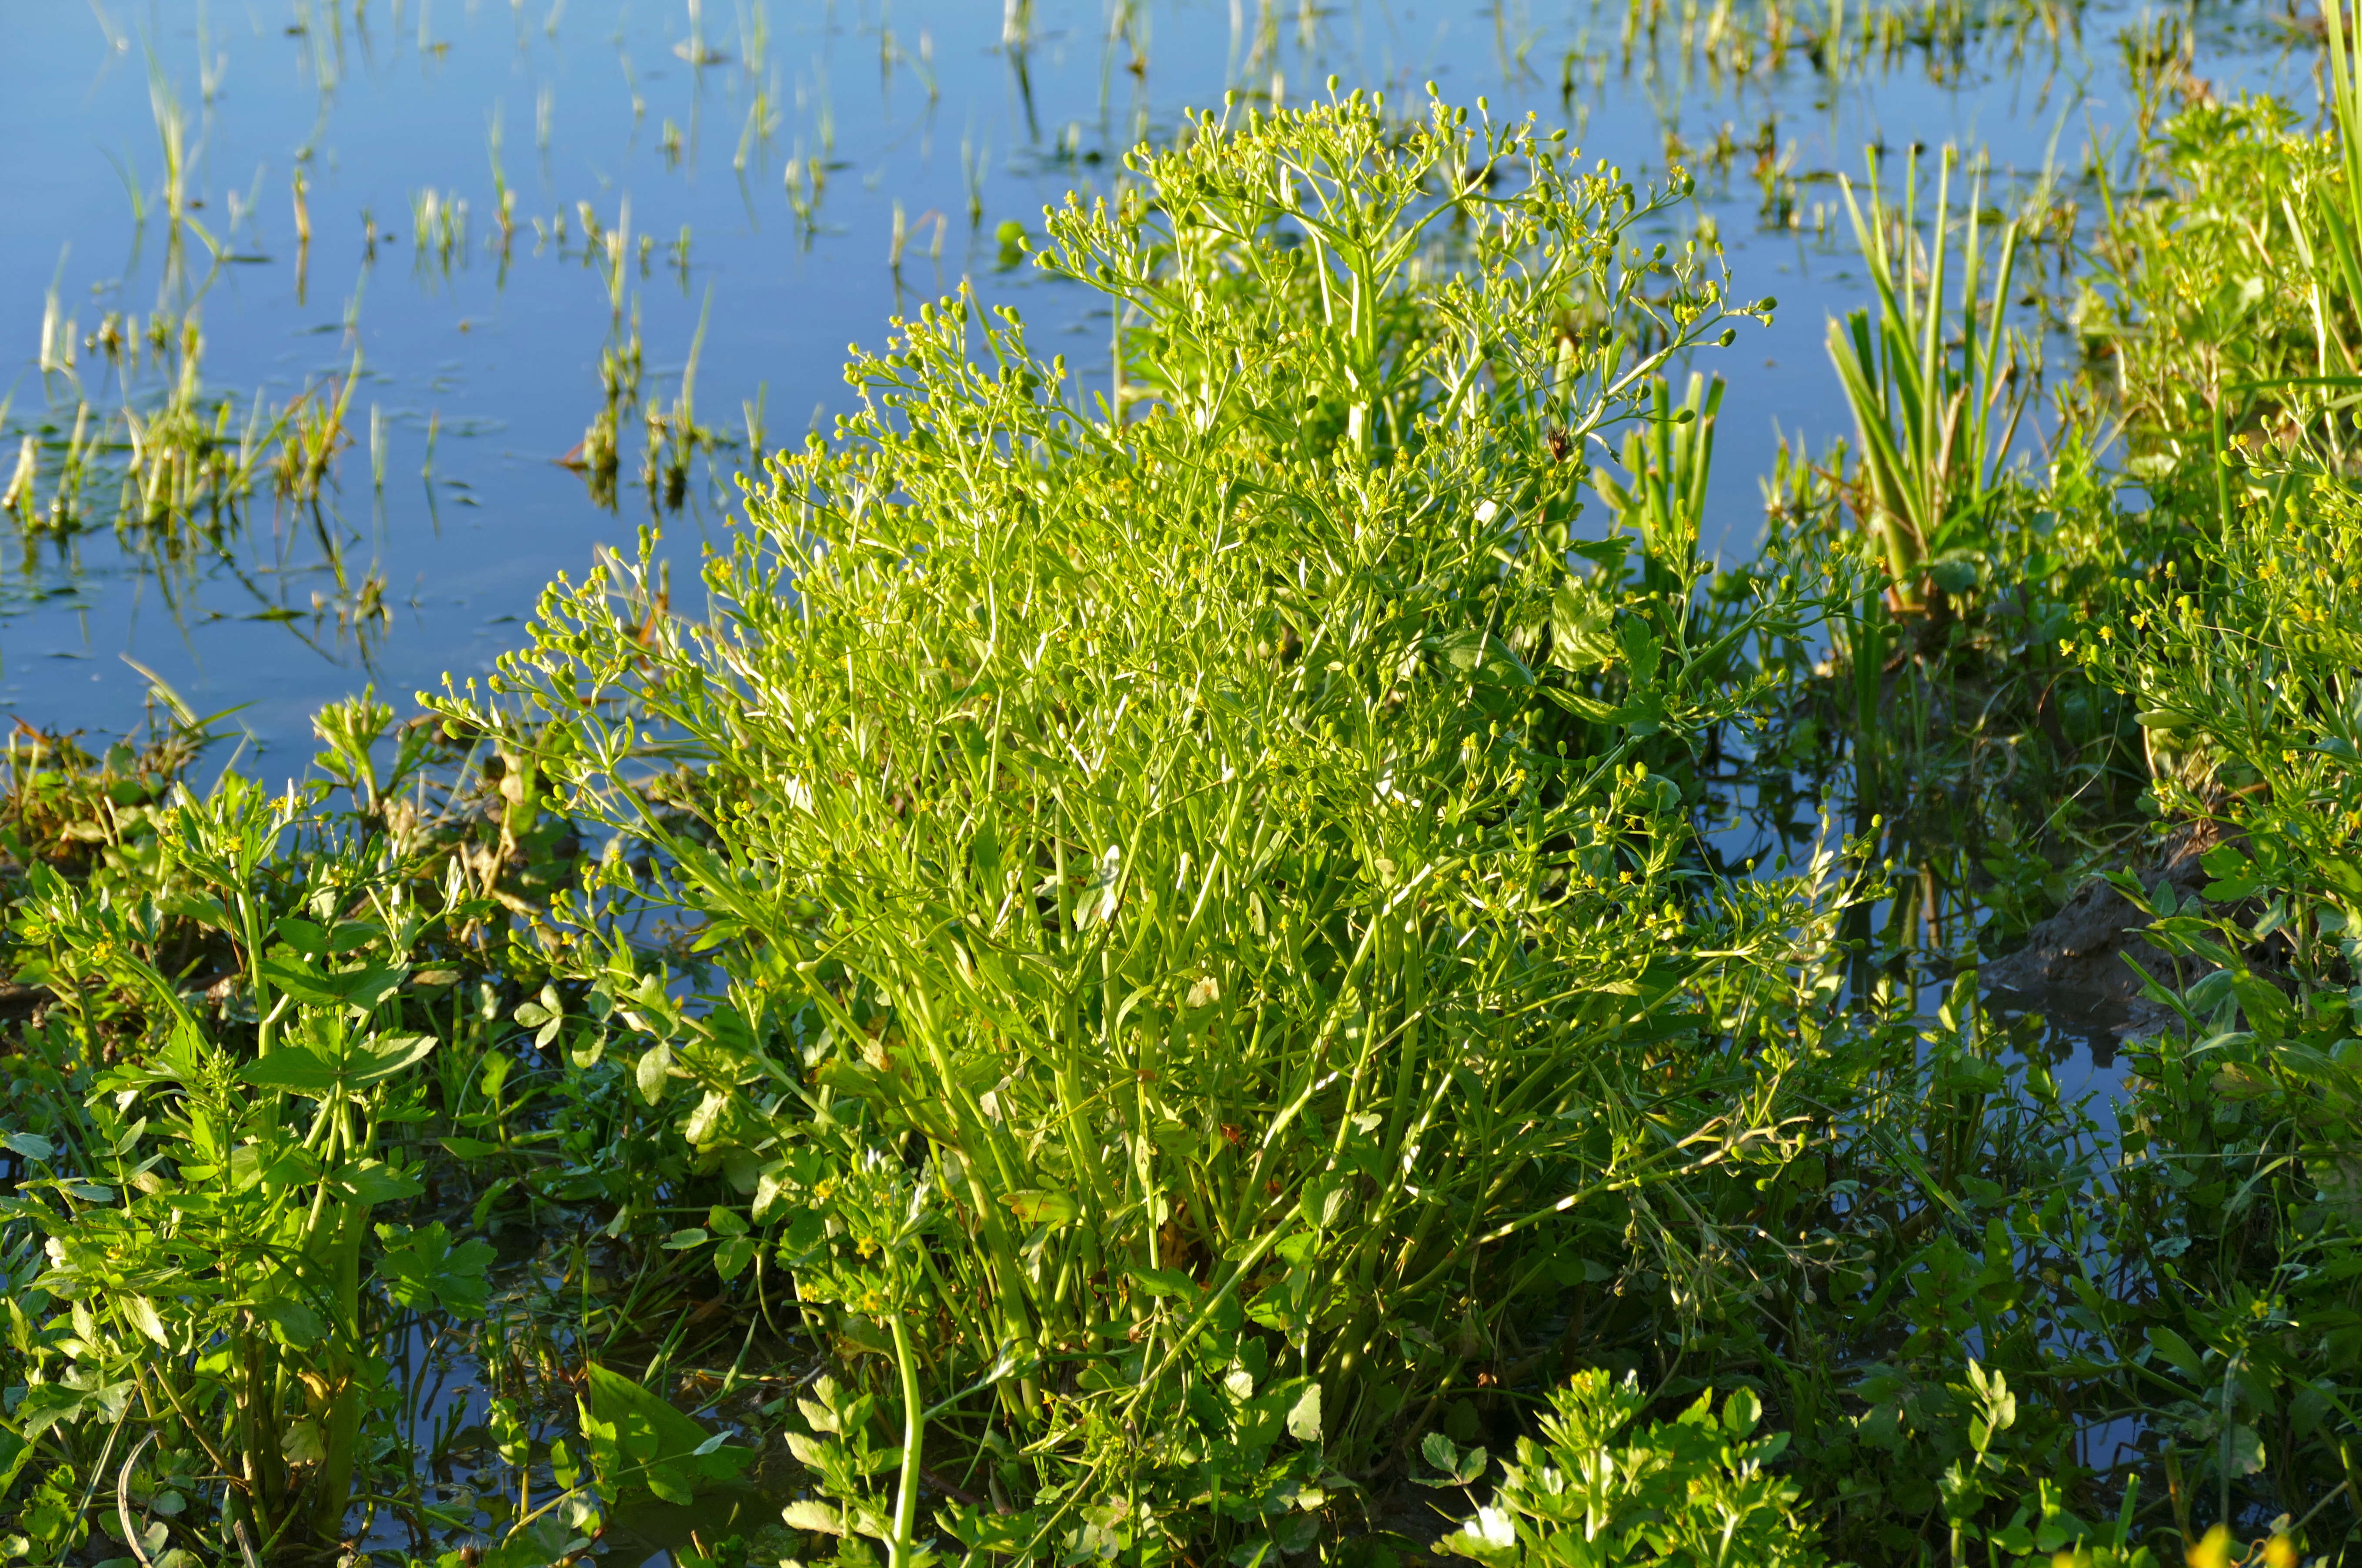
[143, 1316]
[363, 986]
[1325, 1204]
[421, 1269]
[304, 935]
[386, 1055]
[294, 1069]
[299, 1069]
[812, 1518]
[2176, 1350]
[1164, 1282]
[372, 1181]
[655, 1062]
[305, 1443]
[14, 1451]
[1043, 1206]
[1304, 1416]
[1490, 1538]
[291, 1322]
[563, 1467]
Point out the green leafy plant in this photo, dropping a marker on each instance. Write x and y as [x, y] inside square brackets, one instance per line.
[212, 1227]
[1150, 946]
[1217, 853]
[256, 1175]
[1601, 1488]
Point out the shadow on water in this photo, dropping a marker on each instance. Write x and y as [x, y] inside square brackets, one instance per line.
[2084, 1031]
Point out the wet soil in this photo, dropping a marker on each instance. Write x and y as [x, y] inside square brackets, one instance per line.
[2079, 965]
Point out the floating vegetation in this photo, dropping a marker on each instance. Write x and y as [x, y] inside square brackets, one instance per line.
[438, 228]
[806, 180]
[170, 457]
[674, 436]
[597, 458]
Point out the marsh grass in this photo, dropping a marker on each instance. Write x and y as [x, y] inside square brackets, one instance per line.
[597, 457]
[672, 439]
[1668, 459]
[130, 440]
[1735, 45]
[439, 229]
[1936, 387]
[175, 456]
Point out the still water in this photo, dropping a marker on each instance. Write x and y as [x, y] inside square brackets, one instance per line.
[311, 194]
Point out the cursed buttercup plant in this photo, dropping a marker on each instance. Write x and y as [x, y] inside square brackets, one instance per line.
[1204, 855]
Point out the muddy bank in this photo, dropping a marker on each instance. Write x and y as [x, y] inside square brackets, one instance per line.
[2079, 965]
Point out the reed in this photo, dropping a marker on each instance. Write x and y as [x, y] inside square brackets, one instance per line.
[1935, 387]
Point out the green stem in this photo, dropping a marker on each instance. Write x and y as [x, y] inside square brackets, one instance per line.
[914, 1426]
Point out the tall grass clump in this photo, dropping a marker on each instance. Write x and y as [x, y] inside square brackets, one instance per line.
[1214, 944]
[1935, 393]
[2342, 208]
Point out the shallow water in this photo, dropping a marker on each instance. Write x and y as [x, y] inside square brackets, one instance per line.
[479, 362]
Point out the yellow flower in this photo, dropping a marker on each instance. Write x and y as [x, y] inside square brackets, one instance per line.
[2107, 634]
[2067, 647]
[865, 1247]
[2215, 1551]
